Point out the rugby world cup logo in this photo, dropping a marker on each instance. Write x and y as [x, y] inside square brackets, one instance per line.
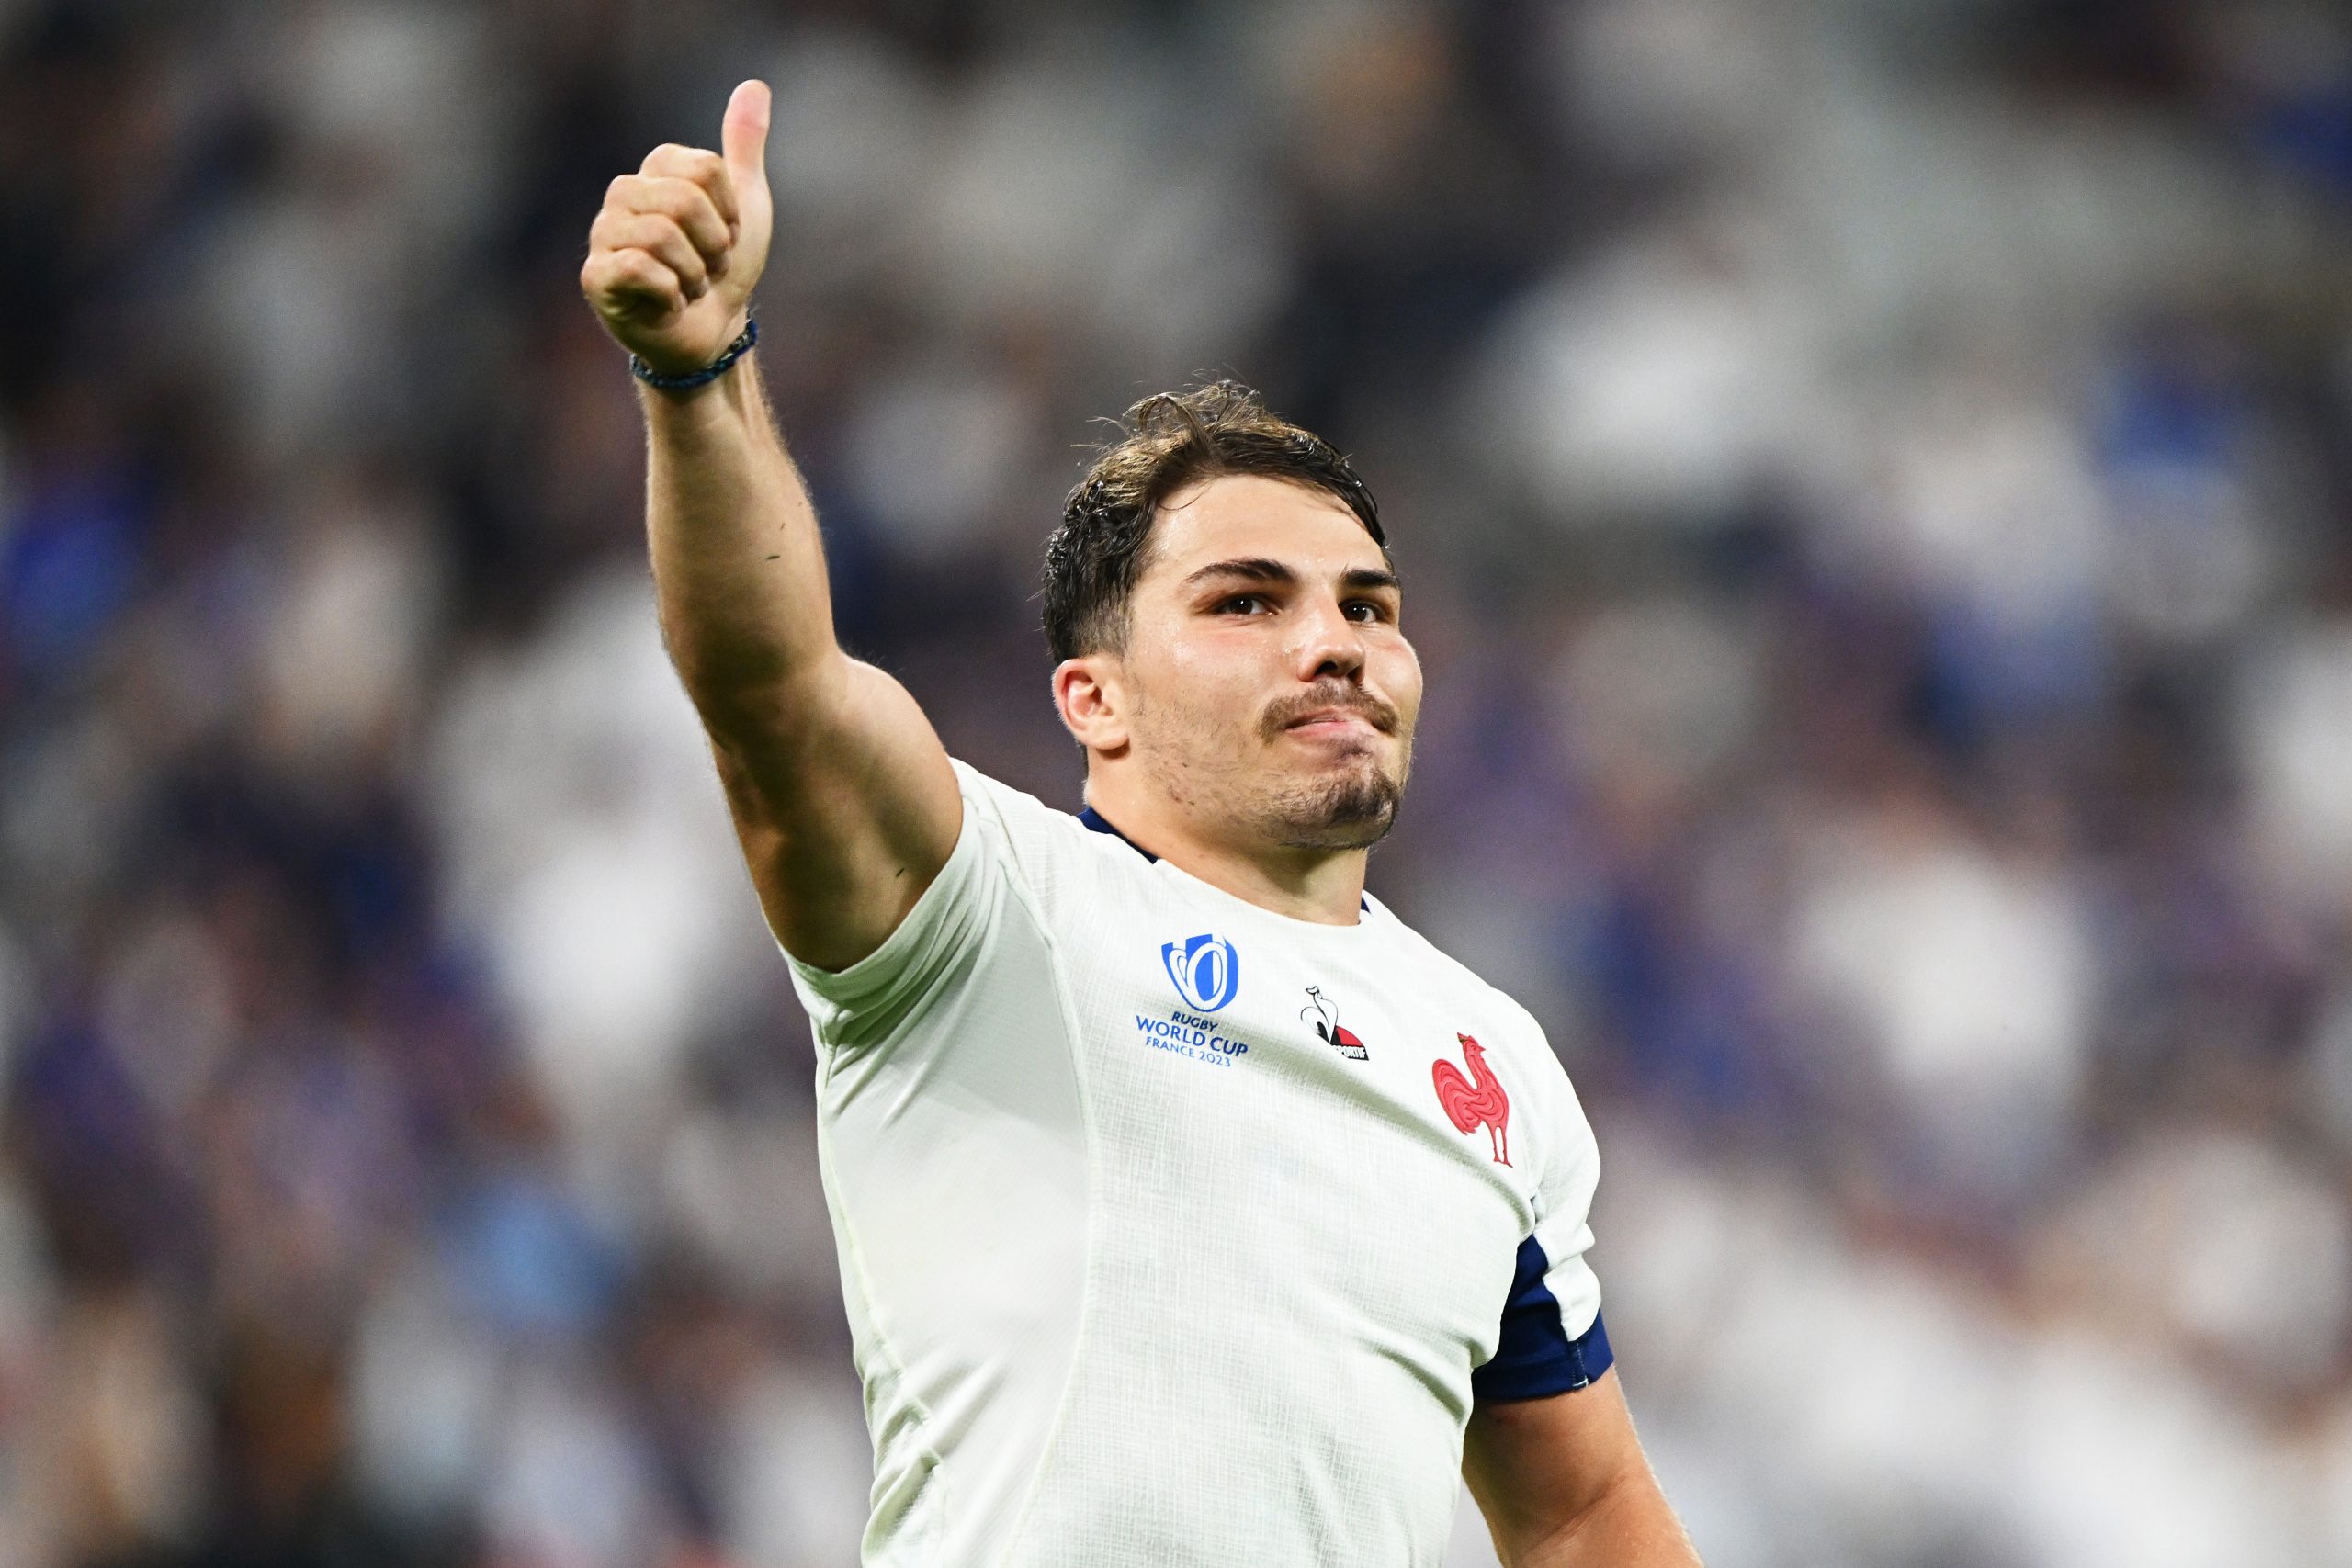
[1204, 970]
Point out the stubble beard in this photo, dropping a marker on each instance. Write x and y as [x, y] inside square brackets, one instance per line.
[1351, 805]
[1350, 810]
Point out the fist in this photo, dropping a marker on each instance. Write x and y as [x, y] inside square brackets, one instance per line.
[677, 246]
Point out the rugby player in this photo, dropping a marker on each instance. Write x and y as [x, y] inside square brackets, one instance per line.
[1191, 1209]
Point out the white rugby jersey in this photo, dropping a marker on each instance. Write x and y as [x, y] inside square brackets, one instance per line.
[1174, 1231]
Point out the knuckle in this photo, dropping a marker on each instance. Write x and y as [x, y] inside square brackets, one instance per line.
[656, 232]
[676, 246]
[661, 282]
[685, 200]
[672, 161]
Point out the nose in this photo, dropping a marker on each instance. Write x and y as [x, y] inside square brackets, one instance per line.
[1329, 643]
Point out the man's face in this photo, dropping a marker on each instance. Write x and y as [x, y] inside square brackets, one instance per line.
[1268, 688]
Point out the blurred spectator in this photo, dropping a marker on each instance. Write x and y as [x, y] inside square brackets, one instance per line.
[1873, 482]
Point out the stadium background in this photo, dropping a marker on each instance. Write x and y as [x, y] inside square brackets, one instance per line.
[1872, 481]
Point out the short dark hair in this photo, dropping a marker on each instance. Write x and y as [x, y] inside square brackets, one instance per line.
[1167, 442]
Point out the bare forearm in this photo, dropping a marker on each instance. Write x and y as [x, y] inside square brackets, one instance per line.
[1631, 1525]
[843, 796]
[738, 565]
[672, 257]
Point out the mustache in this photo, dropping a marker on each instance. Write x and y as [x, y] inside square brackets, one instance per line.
[1373, 709]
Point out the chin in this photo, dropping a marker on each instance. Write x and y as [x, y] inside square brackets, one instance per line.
[1348, 808]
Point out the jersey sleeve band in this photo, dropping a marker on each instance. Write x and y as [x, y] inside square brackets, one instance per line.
[1535, 1356]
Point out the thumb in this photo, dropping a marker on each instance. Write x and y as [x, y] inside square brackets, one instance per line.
[744, 139]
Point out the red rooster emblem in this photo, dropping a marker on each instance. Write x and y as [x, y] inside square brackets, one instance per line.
[1476, 1100]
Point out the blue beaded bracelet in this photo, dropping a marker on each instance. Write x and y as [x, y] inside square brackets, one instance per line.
[688, 380]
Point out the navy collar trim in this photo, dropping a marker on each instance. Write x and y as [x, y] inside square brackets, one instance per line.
[1096, 820]
[1101, 824]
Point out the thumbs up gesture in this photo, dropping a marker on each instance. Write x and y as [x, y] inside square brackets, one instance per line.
[677, 246]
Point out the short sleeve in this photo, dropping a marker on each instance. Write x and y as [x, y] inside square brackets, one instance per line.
[1011, 851]
[1551, 1338]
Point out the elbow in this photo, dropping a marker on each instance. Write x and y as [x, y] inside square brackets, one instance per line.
[1626, 1524]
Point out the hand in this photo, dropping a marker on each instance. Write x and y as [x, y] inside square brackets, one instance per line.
[677, 246]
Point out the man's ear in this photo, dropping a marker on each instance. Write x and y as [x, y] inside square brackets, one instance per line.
[1091, 694]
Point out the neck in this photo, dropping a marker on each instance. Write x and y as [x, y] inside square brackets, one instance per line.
[1325, 887]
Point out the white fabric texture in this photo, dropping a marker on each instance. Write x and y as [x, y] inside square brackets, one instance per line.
[1143, 1277]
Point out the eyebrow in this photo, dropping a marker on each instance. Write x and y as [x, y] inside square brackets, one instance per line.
[1260, 568]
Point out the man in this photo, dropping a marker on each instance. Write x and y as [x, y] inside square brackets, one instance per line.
[1191, 1209]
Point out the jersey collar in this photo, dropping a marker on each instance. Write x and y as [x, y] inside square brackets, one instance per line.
[1096, 820]
[1101, 824]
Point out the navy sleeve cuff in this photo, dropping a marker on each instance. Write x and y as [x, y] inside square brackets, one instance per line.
[1533, 1356]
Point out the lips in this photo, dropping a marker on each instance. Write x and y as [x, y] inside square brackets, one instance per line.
[1334, 721]
[1338, 715]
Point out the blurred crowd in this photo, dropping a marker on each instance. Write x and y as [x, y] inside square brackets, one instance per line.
[1874, 487]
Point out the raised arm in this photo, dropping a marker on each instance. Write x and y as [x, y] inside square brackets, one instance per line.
[841, 791]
